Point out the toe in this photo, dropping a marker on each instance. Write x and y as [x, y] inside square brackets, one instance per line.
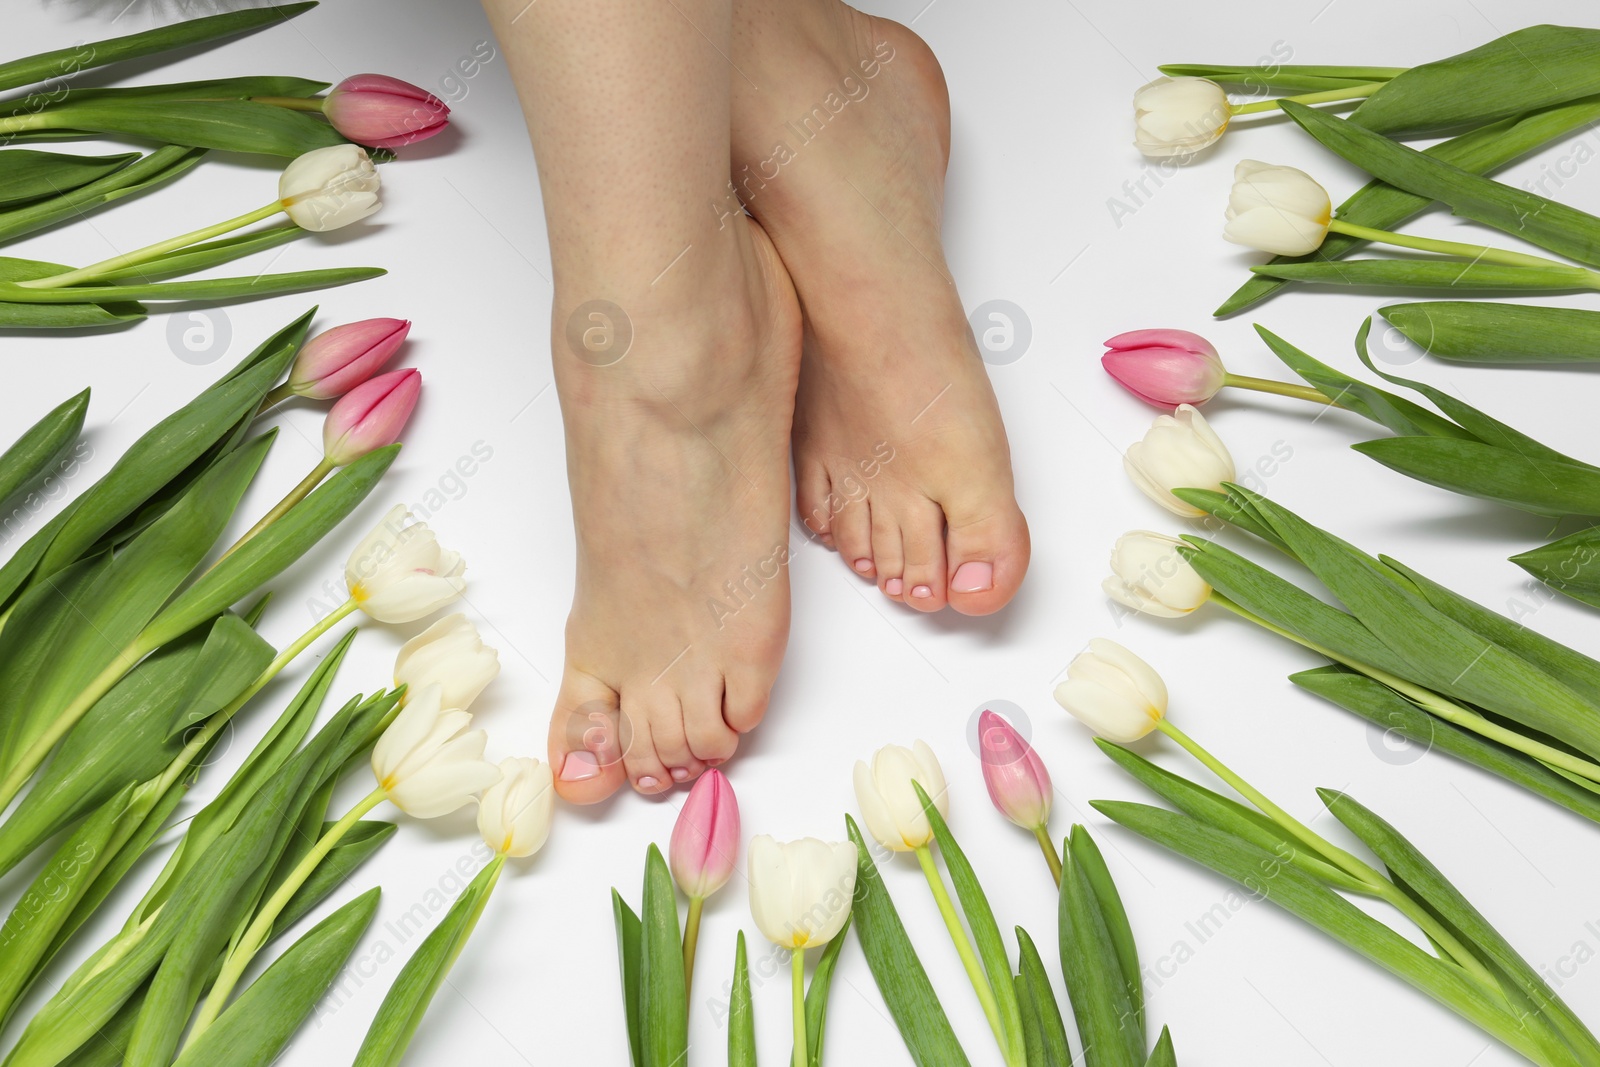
[670, 739]
[852, 529]
[645, 768]
[811, 495]
[922, 533]
[987, 559]
[587, 739]
[744, 699]
[711, 740]
[888, 554]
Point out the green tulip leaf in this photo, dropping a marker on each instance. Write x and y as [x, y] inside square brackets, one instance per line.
[1530, 68]
[1466, 331]
[209, 89]
[407, 1000]
[359, 844]
[1043, 1027]
[817, 995]
[1092, 865]
[907, 993]
[663, 998]
[1505, 476]
[628, 949]
[254, 1029]
[1287, 77]
[33, 175]
[1384, 207]
[1570, 565]
[224, 125]
[1095, 983]
[40, 449]
[241, 288]
[1528, 216]
[1440, 273]
[1163, 1055]
[204, 256]
[981, 921]
[153, 169]
[200, 31]
[233, 657]
[741, 1013]
[69, 316]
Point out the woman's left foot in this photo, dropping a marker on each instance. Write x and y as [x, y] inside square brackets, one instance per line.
[901, 461]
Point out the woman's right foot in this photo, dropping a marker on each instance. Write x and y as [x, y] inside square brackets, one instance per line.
[677, 455]
[901, 460]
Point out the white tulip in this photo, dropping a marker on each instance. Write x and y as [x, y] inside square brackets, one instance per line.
[800, 891]
[331, 187]
[427, 762]
[889, 805]
[1179, 451]
[399, 572]
[1149, 575]
[451, 654]
[1277, 209]
[514, 814]
[1113, 692]
[1179, 116]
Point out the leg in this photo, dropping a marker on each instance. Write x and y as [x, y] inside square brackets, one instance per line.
[900, 456]
[677, 441]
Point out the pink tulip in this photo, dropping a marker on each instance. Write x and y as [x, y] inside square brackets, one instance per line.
[337, 360]
[370, 416]
[1018, 783]
[1165, 367]
[383, 112]
[705, 841]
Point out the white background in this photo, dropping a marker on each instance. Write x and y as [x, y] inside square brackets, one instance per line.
[1042, 128]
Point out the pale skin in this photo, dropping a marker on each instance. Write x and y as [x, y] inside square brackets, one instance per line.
[834, 129]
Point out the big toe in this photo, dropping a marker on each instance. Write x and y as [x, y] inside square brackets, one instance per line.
[587, 740]
[987, 558]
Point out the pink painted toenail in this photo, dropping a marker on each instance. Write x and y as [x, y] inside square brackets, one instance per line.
[922, 592]
[579, 767]
[647, 782]
[679, 774]
[863, 565]
[973, 577]
[715, 762]
[894, 586]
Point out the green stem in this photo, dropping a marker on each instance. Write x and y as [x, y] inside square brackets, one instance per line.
[273, 399]
[958, 934]
[256, 934]
[298, 493]
[149, 252]
[1327, 96]
[1427, 699]
[1277, 388]
[797, 959]
[691, 936]
[1050, 855]
[1476, 253]
[292, 103]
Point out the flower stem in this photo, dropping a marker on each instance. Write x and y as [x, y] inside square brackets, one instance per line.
[1327, 96]
[1476, 253]
[797, 959]
[255, 934]
[1277, 388]
[149, 252]
[969, 958]
[273, 399]
[292, 103]
[1428, 700]
[281, 508]
[1050, 855]
[691, 937]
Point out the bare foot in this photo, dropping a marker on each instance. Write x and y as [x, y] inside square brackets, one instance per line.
[677, 455]
[839, 150]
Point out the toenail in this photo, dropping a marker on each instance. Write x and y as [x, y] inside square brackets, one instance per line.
[647, 782]
[679, 774]
[922, 592]
[894, 586]
[715, 762]
[863, 565]
[973, 577]
[579, 767]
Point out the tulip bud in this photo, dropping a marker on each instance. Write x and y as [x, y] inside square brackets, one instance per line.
[889, 806]
[327, 188]
[1165, 367]
[1179, 451]
[400, 573]
[514, 814]
[1179, 116]
[801, 891]
[1149, 575]
[705, 840]
[1277, 209]
[1113, 692]
[383, 112]
[427, 762]
[370, 416]
[449, 654]
[337, 360]
[1018, 783]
